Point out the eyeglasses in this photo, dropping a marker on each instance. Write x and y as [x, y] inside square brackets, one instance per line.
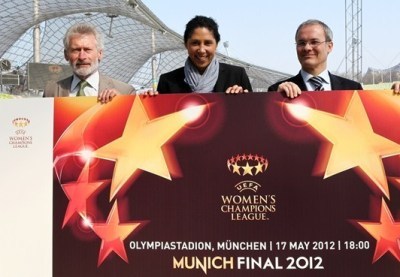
[312, 43]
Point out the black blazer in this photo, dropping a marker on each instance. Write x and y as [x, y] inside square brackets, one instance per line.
[229, 75]
[337, 83]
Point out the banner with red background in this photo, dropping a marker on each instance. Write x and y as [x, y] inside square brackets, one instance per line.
[223, 185]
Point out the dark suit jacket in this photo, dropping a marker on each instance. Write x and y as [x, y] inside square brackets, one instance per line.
[62, 88]
[229, 75]
[337, 83]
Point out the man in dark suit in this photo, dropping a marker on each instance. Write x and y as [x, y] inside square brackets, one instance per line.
[83, 49]
[313, 45]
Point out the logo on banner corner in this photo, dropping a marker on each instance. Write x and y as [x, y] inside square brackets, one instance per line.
[20, 139]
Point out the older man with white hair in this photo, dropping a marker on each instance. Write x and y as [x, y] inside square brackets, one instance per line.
[83, 49]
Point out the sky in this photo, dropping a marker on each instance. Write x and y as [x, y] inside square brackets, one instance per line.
[261, 32]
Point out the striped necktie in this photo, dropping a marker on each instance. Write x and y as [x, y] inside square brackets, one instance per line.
[317, 83]
[82, 84]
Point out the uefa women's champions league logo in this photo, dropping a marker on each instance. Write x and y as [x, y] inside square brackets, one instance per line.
[20, 139]
[248, 205]
[247, 164]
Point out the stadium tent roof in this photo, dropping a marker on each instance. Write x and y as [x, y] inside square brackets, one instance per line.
[134, 38]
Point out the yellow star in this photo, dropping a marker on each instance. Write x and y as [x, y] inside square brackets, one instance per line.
[259, 168]
[140, 146]
[354, 143]
[247, 169]
[236, 168]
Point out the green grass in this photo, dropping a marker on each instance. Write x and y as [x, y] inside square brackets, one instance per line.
[379, 86]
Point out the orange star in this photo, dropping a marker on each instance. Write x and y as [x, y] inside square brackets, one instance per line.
[386, 233]
[354, 142]
[139, 147]
[78, 192]
[113, 235]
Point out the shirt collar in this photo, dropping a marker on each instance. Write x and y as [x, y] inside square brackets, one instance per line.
[324, 74]
[93, 81]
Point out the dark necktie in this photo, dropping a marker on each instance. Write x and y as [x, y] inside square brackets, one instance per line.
[317, 83]
[82, 84]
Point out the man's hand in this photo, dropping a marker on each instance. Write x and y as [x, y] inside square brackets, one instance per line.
[290, 89]
[150, 92]
[107, 95]
[396, 87]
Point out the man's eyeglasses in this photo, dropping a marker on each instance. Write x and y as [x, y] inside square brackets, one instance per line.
[312, 43]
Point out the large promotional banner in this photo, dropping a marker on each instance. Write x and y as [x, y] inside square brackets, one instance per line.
[26, 139]
[223, 185]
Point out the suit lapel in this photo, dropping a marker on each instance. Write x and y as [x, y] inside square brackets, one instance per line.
[298, 79]
[65, 87]
[104, 83]
[335, 82]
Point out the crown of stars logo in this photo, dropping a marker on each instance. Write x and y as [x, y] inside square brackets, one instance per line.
[21, 122]
[247, 164]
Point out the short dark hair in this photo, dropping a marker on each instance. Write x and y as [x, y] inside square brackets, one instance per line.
[201, 21]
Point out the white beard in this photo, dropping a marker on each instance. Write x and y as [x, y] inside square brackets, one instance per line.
[84, 72]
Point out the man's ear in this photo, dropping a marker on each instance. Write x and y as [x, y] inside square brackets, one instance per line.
[100, 55]
[330, 46]
[66, 55]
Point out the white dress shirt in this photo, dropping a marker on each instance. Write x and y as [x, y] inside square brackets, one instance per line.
[324, 75]
[90, 90]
